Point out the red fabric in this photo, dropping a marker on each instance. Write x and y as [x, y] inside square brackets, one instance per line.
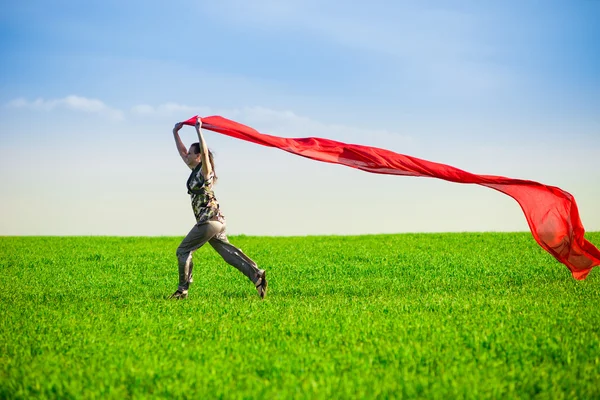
[551, 212]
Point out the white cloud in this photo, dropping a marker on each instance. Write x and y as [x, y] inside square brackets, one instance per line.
[72, 102]
[276, 122]
[168, 110]
[284, 123]
[287, 123]
[20, 102]
[142, 109]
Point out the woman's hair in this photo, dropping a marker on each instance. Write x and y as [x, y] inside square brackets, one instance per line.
[196, 148]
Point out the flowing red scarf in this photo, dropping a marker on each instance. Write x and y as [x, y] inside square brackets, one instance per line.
[551, 212]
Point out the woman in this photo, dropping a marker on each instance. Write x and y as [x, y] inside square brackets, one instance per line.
[210, 223]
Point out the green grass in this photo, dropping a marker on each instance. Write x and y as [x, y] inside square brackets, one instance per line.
[418, 315]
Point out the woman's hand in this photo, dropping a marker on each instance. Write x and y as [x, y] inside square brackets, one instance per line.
[181, 149]
[177, 127]
[198, 124]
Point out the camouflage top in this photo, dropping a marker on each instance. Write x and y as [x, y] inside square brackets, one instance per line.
[204, 202]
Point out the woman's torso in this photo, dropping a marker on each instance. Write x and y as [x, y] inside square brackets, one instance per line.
[204, 202]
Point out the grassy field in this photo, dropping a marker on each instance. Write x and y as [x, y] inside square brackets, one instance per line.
[416, 315]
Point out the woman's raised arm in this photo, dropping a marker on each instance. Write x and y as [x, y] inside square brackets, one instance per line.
[181, 149]
[206, 167]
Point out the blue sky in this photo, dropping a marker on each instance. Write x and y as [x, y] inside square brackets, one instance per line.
[91, 90]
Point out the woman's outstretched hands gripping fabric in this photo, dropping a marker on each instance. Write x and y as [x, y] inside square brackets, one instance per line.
[177, 127]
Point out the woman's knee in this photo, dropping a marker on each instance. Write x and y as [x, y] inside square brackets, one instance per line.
[182, 254]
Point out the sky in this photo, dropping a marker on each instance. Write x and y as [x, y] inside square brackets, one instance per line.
[90, 92]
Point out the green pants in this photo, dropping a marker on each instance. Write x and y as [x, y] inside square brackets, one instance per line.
[212, 232]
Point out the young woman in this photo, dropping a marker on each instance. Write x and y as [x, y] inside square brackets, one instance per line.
[210, 223]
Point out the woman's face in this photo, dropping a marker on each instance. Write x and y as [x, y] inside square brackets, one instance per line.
[193, 157]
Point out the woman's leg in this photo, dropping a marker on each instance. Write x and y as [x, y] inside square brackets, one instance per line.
[234, 256]
[195, 239]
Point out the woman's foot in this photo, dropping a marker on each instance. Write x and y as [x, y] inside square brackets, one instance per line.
[261, 284]
[179, 294]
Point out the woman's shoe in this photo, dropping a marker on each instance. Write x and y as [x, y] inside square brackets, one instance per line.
[179, 294]
[261, 284]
